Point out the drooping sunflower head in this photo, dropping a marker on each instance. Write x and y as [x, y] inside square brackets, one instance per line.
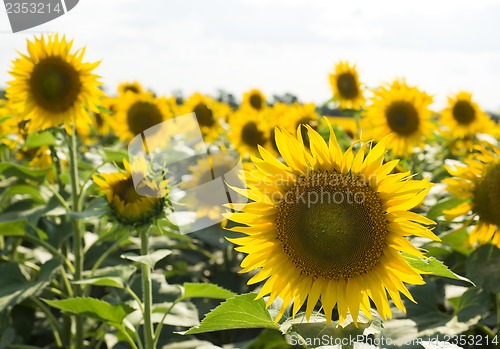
[400, 110]
[248, 130]
[478, 184]
[463, 117]
[52, 85]
[330, 226]
[346, 86]
[136, 113]
[130, 87]
[254, 99]
[126, 202]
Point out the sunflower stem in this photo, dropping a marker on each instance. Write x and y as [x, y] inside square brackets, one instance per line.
[147, 294]
[77, 236]
[497, 297]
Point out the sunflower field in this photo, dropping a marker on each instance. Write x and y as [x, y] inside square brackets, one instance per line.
[370, 221]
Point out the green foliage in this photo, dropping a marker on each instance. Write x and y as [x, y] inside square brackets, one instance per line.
[241, 311]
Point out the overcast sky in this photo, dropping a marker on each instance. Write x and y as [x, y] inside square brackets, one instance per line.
[283, 46]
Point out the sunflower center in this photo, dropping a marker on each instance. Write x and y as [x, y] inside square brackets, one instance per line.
[126, 191]
[251, 135]
[256, 101]
[131, 88]
[402, 118]
[332, 226]
[348, 88]
[55, 84]
[487, 196]
[204, 115]
[463, 112]
[143, 115]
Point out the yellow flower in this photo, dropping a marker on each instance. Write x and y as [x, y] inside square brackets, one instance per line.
[52, 86]
[132, 87]
[136, 113]
[330, 226]
[346, 86]
[254, 99]
[402, 111]
[463, 117]
[208, 112]
[478, 183]
[248, 130]
[127, 205]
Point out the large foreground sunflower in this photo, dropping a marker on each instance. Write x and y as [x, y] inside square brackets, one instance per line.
[330, 226]
[126, 204]
[478, 184]
[346, 86]
[401, 110]
[52, 85]
[463, 117]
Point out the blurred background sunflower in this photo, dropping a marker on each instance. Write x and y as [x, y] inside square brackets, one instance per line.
[346, 87]
[400, 110]
[477, 183]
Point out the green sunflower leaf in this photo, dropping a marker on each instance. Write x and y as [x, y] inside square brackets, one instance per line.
[24, 172]
[15, 287]
[434, 267]
[483, 267]
[149, 259]
[37, 139]
[116, 276]
[92, 307]
[242, 311]
[446, 204]
[14, 228]
[192, 290]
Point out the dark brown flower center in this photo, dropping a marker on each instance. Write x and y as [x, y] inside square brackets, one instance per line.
[402, 118]
[256, 101]
[251, 135]
[204, 115]
[347, 86]
[143, 115]
[487, 196]
[332, 226]
[55, 85]
[125, 190]
[463, 112]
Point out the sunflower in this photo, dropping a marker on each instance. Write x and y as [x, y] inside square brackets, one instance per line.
[127, 205]
[346, 86]
[478, 184]
[463, 117]
[206, 170]
[52, 86]
[401, 110]
[330, 226]
[132, 87]
[302, 115]
[254, 99]
[208, 113]
[248, 130]
[136, 113]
